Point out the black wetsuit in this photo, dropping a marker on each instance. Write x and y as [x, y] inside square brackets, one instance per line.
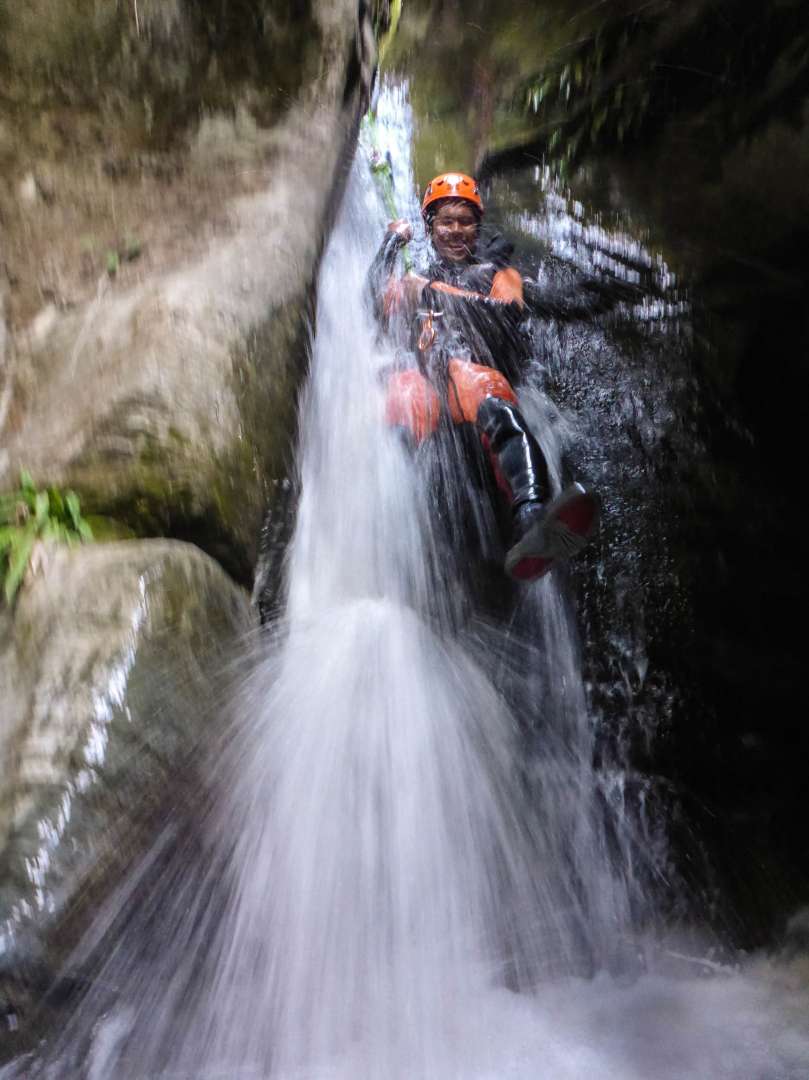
[487, 331]
[484, 330]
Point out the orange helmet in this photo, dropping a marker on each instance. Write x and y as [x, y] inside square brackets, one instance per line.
[452, 185]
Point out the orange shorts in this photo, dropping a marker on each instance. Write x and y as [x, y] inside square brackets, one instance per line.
[413, 402]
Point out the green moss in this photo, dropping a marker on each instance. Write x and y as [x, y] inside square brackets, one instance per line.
[67, 45]
[108, 528]
[149, 78]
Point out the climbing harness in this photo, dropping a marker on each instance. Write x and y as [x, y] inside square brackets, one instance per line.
[435, 369]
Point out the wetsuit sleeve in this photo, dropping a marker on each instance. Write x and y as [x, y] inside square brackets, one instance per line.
[388, 294]
[582, 298]
[381, 285]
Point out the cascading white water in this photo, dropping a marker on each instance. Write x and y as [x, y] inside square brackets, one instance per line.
[396, 882]
[387, 863]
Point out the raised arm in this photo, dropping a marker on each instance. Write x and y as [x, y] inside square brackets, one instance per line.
[388, 293]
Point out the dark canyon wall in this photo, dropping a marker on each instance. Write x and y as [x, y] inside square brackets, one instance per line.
[682, 130]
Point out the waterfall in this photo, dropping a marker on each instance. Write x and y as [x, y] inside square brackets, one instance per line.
[411, 869]
[389, 861]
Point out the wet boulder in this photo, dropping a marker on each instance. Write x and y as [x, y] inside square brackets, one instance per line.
[109, 673]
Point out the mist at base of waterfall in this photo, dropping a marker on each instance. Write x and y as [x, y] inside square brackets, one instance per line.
[742, 1027]
[736, 1028]
[747, 1025]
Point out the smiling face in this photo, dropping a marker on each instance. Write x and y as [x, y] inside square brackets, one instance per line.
[454, 230]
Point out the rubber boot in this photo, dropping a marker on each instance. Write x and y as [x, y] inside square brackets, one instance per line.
[558, 530]
[519, 464]
[543, 530]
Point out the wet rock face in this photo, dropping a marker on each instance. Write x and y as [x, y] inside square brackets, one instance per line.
[108, 677]
[168, 434]
[158, 62]
[161, 266]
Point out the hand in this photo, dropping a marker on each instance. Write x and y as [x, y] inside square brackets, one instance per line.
[402, 229]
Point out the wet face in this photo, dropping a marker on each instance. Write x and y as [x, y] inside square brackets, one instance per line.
[454, 230]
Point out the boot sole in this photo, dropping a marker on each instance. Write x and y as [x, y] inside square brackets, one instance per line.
[562, 532]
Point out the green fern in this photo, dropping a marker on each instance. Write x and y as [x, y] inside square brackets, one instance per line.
[28, 515]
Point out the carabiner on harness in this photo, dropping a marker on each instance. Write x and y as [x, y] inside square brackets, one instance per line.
[428, 331]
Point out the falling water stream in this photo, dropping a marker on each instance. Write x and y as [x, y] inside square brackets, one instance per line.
[413, 868]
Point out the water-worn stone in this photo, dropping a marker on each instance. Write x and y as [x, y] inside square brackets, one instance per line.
[108, 677]
[169, 398]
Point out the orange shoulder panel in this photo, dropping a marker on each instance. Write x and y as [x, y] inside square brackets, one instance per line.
[507, 286]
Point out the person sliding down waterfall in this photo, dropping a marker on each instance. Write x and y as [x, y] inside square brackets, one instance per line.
[463, 322]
